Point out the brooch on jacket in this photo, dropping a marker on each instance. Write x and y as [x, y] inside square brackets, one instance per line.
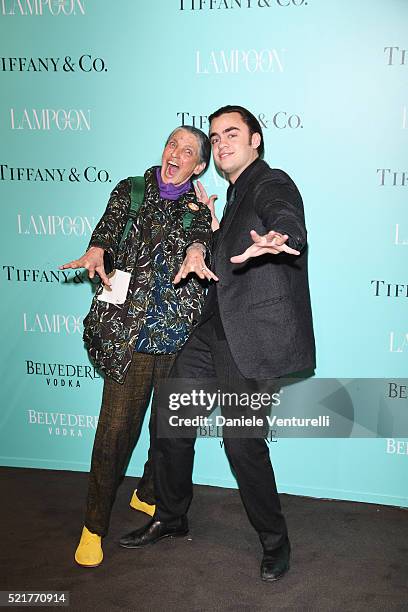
[193, 206]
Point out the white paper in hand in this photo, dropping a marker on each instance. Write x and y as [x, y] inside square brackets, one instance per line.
[117, 292]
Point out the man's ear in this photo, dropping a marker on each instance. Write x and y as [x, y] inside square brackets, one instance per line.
[255, 140]
[199, 168]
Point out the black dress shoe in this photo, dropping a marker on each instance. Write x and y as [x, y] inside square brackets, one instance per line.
[154, 531]
[275, 563]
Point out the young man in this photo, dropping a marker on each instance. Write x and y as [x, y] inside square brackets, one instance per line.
[256, 324]
[135, 342]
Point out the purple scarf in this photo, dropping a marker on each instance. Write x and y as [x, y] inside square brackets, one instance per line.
[168, 191]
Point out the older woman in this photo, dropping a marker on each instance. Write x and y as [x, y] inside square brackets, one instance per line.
[133, 339]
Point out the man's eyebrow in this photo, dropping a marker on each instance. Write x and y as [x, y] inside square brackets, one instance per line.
[224, 131]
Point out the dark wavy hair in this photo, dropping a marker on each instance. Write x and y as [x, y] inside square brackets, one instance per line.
[251, 121]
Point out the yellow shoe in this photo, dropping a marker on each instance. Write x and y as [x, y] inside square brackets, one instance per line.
[89, 552]
[138, 504]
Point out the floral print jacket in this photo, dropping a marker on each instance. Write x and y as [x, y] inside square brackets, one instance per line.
[111, 331]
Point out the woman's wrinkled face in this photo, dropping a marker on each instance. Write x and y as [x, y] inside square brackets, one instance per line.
[180, 159]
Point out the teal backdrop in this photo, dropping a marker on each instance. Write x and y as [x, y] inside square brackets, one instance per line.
[89, 92]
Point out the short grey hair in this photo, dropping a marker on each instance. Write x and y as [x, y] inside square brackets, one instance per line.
[204, 148]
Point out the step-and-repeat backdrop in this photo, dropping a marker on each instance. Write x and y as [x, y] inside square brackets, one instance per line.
[89, 91]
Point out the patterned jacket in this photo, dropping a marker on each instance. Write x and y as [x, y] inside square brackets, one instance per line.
[111, 331]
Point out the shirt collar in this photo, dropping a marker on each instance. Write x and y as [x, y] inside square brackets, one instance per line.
[243, 179]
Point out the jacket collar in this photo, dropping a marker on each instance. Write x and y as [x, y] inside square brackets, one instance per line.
[249, 176]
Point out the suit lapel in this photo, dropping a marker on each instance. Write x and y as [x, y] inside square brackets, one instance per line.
[255, 172]
[231, 215]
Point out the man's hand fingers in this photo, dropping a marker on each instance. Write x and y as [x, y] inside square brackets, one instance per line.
[257, 238]
[273, 234]
[273, 244]
[197, 192]
[240, 258]
[288, 249]
[276, 242]
[255, 251]
[279, 239]
[200, 192]
[275, 249]
[272, 238]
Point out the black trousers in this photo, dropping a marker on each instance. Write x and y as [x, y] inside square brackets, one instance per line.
[120, 422]
[207, 355]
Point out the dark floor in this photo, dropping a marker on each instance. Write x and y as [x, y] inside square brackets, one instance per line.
[345, 556]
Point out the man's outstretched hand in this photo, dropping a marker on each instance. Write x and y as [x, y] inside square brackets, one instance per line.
[91, 261]
[208, 201]
[272, 243]
[194, 263]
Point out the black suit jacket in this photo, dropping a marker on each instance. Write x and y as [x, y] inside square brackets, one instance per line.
[264, 303]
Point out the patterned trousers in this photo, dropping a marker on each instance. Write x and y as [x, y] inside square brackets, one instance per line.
[120, 422]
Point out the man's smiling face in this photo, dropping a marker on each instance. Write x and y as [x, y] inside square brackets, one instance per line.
[181, 158]
[234, 149]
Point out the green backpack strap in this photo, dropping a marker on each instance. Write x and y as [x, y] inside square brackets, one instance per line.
[136, 200]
